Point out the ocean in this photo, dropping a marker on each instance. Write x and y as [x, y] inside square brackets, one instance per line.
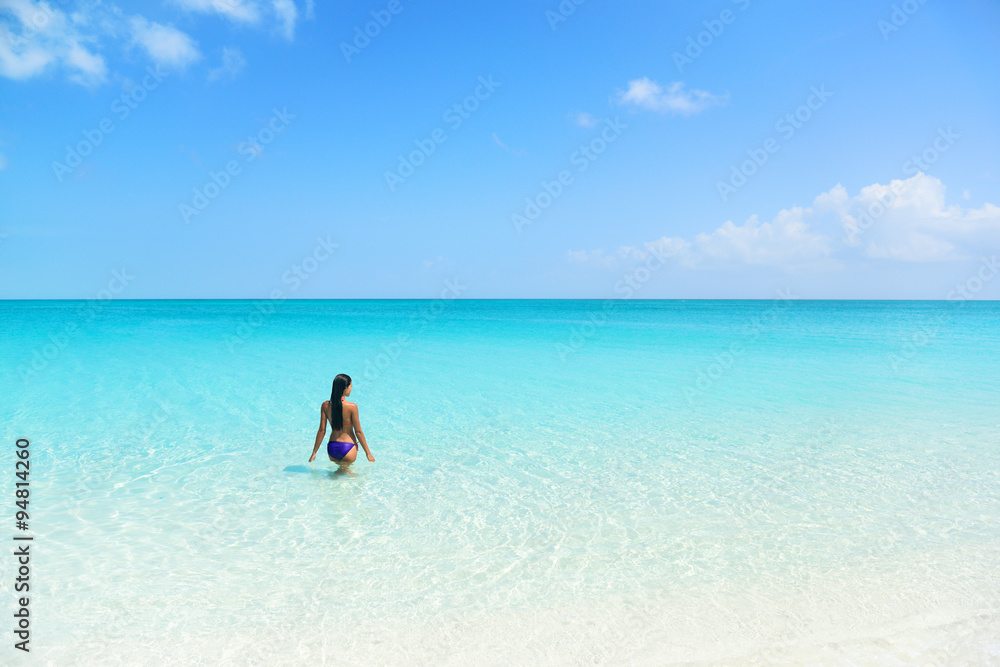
[555, 482]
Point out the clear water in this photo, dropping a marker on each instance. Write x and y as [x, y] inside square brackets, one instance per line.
[723, 482]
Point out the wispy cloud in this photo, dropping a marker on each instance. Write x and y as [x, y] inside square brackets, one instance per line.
[232, 64]
[165, 44]
[287, 14]
[584, 119]
[37, 37]
[3, 161]
[253, 12]
[240, 11]
[648, 95]
[518, 152]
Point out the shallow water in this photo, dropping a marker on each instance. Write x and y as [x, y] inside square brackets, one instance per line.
[555, 481]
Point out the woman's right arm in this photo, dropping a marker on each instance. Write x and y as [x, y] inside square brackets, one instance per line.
[359, 434]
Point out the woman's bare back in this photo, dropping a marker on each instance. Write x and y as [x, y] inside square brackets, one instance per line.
[349, 410]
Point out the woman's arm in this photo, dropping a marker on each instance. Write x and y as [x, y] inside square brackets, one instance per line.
[359, 434]
[320, 433]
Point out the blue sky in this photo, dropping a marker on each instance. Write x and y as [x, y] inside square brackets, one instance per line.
[348, 172]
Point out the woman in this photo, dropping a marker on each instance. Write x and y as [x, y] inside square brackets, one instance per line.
[344, 423]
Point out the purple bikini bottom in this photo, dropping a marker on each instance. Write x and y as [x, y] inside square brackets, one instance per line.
[338, 450]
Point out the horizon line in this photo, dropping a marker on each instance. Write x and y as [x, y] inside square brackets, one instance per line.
[500, 299]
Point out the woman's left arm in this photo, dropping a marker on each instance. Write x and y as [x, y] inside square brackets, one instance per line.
[319, 434]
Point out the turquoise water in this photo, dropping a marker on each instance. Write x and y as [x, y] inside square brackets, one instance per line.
[720, 482]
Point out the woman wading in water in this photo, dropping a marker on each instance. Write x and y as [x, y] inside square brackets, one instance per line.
[344, 424]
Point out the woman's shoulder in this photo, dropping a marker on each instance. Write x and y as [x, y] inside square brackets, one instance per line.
[349, 404]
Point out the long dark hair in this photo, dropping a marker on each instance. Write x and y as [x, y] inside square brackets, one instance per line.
[340, 385]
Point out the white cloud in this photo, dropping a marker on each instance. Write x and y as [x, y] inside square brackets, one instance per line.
[834, 198]
[647, 94]
[906, 220]
[285, 12]
[584, 119]
[786, 240]
[35, 35]
[287, 15]
[90, 67]
[240, 11]
[916, 247]
[232, 64]
[21, 61]
[909, 219]
[165, 44]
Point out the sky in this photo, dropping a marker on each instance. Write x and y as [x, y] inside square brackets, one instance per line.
[266, 149]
